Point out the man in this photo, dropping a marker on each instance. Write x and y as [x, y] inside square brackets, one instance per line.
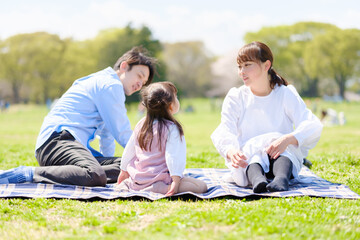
[93, 106]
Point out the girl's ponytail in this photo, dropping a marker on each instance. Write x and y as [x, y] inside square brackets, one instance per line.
[157, 98]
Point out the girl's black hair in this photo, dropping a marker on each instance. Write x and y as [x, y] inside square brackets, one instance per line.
[157, 98]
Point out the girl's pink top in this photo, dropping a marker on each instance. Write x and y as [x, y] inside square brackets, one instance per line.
[148, 167]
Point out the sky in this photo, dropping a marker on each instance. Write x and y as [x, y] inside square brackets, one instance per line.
[221, 25]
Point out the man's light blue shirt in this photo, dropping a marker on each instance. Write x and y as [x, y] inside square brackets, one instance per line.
[93, 105]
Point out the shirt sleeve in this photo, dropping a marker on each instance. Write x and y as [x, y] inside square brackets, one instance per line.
[175, 152]
[110, 102]
[129, 153]
[106, 143]
[226, 134]
[307, 127]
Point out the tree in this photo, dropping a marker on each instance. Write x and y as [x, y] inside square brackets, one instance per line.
[335, 55]
[80, 59]
[14, 66]
[188, 67]
[287, 43]
[48, 65]
[33, 59]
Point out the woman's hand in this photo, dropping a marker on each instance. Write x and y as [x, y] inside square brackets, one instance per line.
[174, 187]
[279, 146]
[237, 158]
[122, 176]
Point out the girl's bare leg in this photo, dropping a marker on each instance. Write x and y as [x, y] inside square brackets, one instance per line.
[189, 184]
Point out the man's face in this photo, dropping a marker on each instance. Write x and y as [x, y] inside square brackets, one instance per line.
[133, 79]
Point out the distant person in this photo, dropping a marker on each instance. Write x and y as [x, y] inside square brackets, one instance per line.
[93, 106]
[330, 117]
[4, 105]
[7, 105]
[266, 130]
[190, 109]
[342, 119]
[155, 157]
[48, 103]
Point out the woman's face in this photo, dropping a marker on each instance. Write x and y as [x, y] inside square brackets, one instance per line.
[252, 72]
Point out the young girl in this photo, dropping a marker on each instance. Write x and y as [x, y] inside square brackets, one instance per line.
[266, 129]
[155, 157]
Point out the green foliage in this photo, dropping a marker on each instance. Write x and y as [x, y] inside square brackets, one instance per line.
[335, 158]
[113, 43]
[34, 60]
[287, 44]
[41, 66]
[318, 58]
[334, 55]
[80, 59]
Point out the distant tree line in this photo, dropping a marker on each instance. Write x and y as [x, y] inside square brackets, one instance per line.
[317, 58]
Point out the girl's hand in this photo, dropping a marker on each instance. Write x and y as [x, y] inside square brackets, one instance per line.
[279, 146]
[122, 176]
[237, 158]
[174, 187]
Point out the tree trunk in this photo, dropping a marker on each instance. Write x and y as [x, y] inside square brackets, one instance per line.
[16, 92]
[312, 89]
[340, 80]
[342, 87]
[46, 90]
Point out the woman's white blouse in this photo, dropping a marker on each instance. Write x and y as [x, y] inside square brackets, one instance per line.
[245, 116]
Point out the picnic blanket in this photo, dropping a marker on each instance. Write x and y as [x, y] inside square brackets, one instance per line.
[313, 186]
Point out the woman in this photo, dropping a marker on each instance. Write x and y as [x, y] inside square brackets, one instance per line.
[266, 129]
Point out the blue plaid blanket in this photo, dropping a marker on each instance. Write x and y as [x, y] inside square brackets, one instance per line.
[217, 188]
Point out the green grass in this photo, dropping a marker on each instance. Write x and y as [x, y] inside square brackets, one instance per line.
[335, 158]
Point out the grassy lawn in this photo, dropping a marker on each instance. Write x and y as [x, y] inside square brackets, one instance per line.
[336, 158]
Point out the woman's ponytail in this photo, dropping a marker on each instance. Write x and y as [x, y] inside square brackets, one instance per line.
[275, 78]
